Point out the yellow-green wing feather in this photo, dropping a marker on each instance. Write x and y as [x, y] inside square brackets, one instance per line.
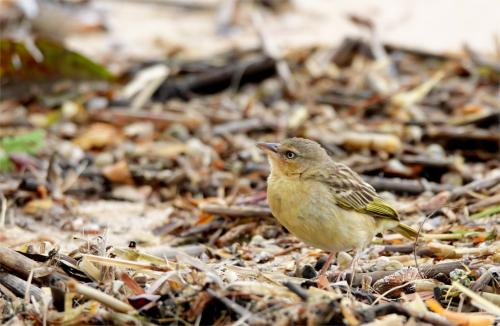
[379, 208]
[351, 192]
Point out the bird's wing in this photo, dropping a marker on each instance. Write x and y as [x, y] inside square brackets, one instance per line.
[351, 192]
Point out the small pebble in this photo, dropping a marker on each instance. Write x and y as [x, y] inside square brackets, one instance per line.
[230, 276]
[289, 266]
[67, 129]
[116, 285]
[70, 152]
[271, 233]
[436, 150]
[139, 129]
[387, 264]
[204, 257]
[262, 257]
[103, 159]
[140, 279]
[308, 272]
[97, 103]
[239, 263]
[344, 260]
[257, 240]
[69, 109]
[178, 131]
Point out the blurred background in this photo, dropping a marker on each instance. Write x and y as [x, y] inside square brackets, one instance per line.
[441, 26]
[130, 127]
[70, 63]
[111, 31]
[163, 100]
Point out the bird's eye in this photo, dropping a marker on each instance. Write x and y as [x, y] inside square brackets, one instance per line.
[290, 155]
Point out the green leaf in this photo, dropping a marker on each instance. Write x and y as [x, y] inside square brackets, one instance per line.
[486, 212]
[19, 67]
[5, 164]
[29, 143]
[466, 233]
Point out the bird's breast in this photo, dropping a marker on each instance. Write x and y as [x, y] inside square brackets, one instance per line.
[308, 210]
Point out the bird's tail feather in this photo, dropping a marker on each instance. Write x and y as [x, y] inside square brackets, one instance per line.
[406, 231]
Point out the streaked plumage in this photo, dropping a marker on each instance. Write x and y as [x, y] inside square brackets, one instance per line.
[324, 203]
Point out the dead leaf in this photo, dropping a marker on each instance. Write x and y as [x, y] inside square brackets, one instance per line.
[98, 135]
[161, 149]
[22, 66]
[460, 318]
[118, 173]
[37, 206]
[204, 218]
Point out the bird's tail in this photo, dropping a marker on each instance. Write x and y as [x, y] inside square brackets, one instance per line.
[406, 231]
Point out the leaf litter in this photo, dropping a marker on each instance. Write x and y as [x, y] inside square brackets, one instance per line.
[143, 201]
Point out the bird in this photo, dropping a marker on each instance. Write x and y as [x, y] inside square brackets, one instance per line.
[325, 203]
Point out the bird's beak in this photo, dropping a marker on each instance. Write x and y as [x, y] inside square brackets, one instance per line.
[268, 147]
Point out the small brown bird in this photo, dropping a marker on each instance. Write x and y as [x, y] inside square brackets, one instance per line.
[324, 203]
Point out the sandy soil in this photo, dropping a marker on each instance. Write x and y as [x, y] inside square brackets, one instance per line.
[144, 30]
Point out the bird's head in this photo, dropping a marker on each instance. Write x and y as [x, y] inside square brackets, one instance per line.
[294, 156]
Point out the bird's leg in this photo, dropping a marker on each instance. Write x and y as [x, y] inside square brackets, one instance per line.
[352, 266]
[322, 280]
[327, 263]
